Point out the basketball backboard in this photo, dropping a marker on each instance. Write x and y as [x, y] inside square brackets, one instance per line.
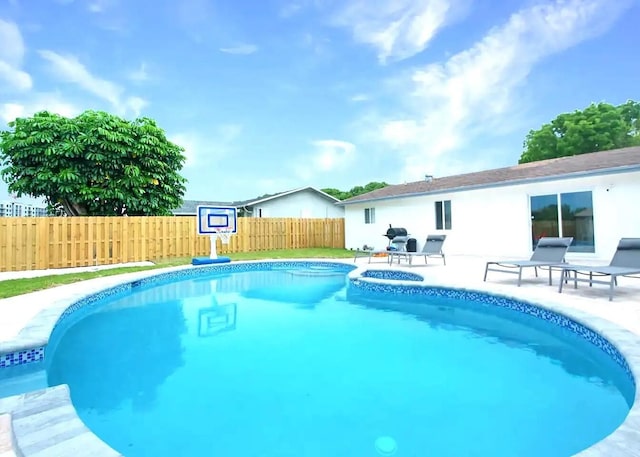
[216, 219]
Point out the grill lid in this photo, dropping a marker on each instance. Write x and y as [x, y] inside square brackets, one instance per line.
[392, 232]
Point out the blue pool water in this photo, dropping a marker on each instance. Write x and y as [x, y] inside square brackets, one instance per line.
[279, 364]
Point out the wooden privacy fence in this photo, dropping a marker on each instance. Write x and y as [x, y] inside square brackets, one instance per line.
[28, 243]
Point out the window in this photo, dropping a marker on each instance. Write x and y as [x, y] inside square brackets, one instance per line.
[369, 215]
[443, 215]
[568, 214]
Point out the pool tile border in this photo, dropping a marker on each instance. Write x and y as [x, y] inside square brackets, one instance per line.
[392, 275]
[22, 357]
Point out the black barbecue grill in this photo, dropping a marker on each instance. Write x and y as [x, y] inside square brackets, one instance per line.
[397, 236]
[392, 232]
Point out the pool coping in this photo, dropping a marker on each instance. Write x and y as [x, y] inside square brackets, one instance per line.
[622, 442]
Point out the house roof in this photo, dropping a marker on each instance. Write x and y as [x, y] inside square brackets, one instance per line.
[265, 198]
[596, 162]
[189, 206]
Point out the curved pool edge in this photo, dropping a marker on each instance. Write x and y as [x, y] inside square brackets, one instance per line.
[623, 442]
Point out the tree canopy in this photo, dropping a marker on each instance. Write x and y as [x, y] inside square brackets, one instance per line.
[95, 164]
[599, 127]
[357, 190]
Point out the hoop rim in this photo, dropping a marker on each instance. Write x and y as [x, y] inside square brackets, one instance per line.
[224, 235]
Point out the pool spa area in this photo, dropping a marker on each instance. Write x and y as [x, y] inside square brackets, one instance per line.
[316, 359]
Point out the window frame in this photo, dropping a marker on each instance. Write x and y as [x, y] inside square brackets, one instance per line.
[560, 220]
[443, 214]
[369, 216]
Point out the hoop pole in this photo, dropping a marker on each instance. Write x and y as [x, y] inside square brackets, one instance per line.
[213, 254]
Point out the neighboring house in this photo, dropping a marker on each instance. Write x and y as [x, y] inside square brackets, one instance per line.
[502, 212]
[305, 202]
[188, 207]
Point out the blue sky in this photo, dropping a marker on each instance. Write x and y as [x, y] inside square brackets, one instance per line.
[277, 94]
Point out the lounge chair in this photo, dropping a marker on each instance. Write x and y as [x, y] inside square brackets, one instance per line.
[625, 262]
[432, 248]
[398, 244]
[549, 253]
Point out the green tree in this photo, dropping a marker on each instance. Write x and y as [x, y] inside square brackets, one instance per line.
[340, 195]
[95, 164]
[599, 127]
[355, 191]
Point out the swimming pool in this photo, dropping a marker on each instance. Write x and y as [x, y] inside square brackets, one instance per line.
[293, 359]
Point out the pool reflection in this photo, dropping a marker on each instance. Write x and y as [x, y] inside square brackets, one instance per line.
[148, 337]
[217, 318]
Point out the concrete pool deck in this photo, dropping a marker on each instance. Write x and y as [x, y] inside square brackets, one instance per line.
[26, 322]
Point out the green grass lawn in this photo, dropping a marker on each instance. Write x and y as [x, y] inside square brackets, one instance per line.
[12, 287]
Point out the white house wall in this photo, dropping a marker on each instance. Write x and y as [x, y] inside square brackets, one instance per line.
[497, 221]
[305, 204]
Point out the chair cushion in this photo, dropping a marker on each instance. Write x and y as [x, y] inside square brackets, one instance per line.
[554, 242]
[629, 243]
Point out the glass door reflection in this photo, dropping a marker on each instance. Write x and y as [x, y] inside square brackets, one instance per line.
[544, 217]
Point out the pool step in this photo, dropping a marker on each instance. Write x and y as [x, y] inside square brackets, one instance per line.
[45, 424]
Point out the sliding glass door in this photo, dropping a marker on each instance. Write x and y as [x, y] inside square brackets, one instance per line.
[575, 219]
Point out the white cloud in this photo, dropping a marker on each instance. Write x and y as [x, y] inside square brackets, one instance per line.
[290, 9]
[328, 156]
[397, 29]
[140, 74]
[226, 133]
[12, 53]
[240, 49]
[191, 144]
[99, 6]
[447, 103]
[215, 145]
[14, 77]
[93, 6]
[318, 44]
[12, 49]
[69, 69]
[11, 111]
[359, 98]
[51, 102]
[136, 105]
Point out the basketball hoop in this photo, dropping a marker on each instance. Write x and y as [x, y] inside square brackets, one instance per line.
[219, 222]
